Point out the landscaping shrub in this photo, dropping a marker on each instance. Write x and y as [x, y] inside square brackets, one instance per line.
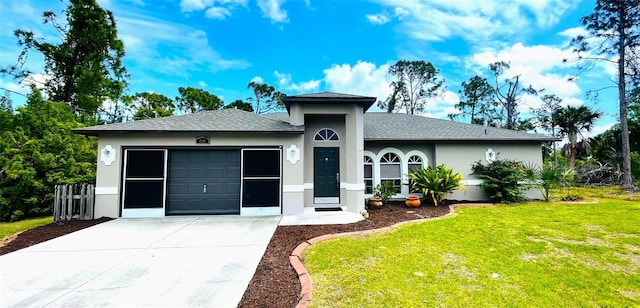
[505, 181]
[552, 176]
[435, 182]
[384, 191]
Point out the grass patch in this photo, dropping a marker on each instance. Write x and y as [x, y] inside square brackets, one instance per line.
[7, 229]
[535, 254]
[599, 192]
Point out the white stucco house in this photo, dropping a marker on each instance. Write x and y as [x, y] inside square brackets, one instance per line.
[326, 151]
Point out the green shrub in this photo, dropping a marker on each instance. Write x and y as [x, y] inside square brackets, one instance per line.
[505, 181]
[435, 182]
[17, 215]
[552, 176]
[385, 191]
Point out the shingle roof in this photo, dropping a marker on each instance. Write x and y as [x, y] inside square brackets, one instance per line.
[399, 126]
[226, 120]
[377, 126]
[330, 95]
[330, 98]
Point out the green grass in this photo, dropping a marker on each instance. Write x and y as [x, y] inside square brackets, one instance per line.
[7, 229]
[529, 255]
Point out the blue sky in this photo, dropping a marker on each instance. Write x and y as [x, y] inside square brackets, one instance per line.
[303, 46]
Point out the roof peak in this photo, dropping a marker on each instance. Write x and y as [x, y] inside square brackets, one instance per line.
[330, 98]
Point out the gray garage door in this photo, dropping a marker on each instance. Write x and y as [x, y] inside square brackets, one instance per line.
[204, 182]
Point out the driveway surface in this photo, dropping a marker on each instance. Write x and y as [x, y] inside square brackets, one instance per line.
[153, 262]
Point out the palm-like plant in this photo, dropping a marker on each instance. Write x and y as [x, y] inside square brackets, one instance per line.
[572, 122]
[435, 182]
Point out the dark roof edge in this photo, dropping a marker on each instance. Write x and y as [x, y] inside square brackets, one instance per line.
[542, 139]
[365, 101]
[178, 132]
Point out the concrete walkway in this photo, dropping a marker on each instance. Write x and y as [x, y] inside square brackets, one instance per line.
[162, 262]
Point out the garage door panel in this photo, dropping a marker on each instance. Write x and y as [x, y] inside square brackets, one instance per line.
[215, 172]
[218, 169]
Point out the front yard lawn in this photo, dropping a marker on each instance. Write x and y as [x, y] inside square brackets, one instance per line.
[526, 255]
[7, 229]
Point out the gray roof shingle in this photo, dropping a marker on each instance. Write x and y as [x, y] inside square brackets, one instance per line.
[330, 98]
[377, 126]
[226, 120]
[400, 126]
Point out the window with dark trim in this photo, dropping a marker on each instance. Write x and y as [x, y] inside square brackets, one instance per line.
[144, 179]
[368, 175]
[261, 177]
[326, 134]
[414, 163]
[390, 170]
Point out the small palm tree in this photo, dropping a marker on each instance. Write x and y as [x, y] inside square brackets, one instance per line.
[572, 121]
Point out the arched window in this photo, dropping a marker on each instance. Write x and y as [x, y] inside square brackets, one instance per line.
[390, 170]
[326, 134]
[368, 175]
[414, 163]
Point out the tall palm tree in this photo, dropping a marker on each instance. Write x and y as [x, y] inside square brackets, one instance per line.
[572, 121]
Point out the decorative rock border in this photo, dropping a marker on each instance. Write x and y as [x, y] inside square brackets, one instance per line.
[306, 284]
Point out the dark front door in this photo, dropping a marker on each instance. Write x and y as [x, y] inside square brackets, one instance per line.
[204, 182]
[326, 170]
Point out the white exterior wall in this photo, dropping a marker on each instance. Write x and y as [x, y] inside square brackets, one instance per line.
[109, 177]
[461, 156]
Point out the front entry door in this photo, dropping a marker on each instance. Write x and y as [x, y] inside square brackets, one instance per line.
[326, 169]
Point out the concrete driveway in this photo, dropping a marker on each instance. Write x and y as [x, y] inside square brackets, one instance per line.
[160, 262]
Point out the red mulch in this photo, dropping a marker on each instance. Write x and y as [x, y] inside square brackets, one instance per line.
[45, 233]
[275, 283]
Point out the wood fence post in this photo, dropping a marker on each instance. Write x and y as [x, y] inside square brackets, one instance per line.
[91, 203]
[56, 204]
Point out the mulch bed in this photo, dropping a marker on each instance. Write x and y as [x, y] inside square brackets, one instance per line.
[45, 233]
[275, 283]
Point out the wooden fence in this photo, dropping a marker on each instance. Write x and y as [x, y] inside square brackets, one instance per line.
[73, 202]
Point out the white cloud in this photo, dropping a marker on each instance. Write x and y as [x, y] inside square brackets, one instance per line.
[217, 12]
[38, 80]
[475, 20]
[221, 10]
[271, 10]
[400, 12]
[257, 79]
[363, 78]
[574, 32]
[202, 84]
[378, 19]
[539, 66]
[285, 84]
[194, 5]
[440, 107]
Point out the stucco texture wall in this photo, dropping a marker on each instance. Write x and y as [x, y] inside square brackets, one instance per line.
[109, 177]
[461, 156]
